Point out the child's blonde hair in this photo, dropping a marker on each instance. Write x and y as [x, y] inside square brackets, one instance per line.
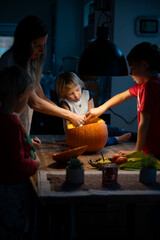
[13, 81]
[66, 81]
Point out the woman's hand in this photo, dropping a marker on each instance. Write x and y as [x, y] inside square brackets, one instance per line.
[36, 142]
[77, 118]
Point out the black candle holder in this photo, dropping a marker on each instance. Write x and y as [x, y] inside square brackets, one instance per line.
[109, 173]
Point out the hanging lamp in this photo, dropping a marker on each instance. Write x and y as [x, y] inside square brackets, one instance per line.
[102, 57]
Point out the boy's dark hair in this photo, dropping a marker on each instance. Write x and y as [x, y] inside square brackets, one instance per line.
[147, 52]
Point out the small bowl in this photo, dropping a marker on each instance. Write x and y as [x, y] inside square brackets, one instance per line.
[66, 155]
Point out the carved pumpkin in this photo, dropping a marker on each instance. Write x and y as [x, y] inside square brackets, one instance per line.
[66, 155]
[94, 134]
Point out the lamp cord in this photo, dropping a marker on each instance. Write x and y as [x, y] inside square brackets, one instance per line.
[109, 19]
[128, 122]
[99, 18]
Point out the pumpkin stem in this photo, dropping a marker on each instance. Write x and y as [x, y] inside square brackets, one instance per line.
[102, 156]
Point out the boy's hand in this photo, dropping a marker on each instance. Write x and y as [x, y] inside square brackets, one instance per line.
[124, 153]
[36, 142]
[91, 114]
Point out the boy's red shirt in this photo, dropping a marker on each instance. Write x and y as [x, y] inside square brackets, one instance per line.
[16, 151]
[148, 100]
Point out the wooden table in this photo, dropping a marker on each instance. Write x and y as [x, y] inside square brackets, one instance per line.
[56, 143]
[95, 211]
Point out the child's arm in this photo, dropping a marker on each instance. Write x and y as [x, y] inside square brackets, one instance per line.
[142, 133]
[90, 104]
[37, 160]
[114, 101]
[142, 130]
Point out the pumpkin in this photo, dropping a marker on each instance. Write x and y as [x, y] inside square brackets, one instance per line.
[66, 155]
[94, 134]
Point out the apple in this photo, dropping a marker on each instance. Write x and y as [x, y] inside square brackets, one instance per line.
[115, 157]
[121, 160]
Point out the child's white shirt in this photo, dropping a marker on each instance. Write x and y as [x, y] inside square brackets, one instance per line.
[80, 107]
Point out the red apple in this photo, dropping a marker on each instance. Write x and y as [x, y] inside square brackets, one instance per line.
[121, 160]
[115, 157]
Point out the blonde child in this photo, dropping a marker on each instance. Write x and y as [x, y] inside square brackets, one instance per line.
[144, 64]
[74, 98]
[17, 154]
[69, 87]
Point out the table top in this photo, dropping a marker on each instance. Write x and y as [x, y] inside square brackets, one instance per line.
[49, 181]
[52, 144]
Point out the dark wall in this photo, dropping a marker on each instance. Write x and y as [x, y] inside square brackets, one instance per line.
[14, 11]
[64, 21]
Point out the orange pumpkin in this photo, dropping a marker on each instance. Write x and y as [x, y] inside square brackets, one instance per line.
[94, 134]
[66, 155]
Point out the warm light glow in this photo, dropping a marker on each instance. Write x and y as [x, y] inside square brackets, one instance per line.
[97, 120]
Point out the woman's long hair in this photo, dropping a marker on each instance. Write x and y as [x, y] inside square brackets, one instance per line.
[29, 29]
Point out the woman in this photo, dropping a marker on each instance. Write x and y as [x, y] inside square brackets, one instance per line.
[28, 51]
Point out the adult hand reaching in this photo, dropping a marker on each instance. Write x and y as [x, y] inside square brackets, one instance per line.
[76, 118]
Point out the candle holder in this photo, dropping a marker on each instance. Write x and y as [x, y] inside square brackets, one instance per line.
[109, 173]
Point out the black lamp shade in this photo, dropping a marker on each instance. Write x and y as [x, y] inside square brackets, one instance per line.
[102, 58]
